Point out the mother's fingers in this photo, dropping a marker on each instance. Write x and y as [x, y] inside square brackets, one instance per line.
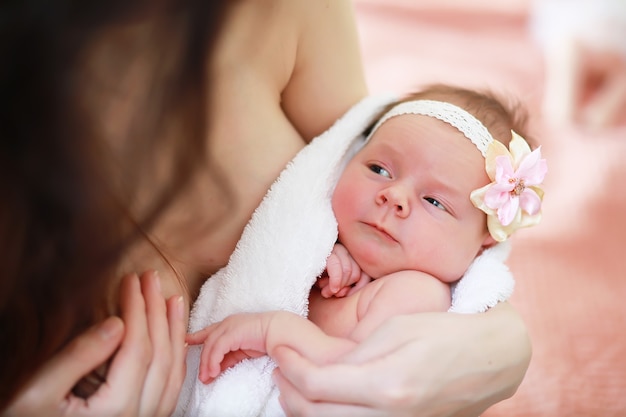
[296, 405]
[52, 384]
[388, 338]
[144, 376]
[335, 383]
[130, 365]
[176, 373]
[161, 327]
[159, 339]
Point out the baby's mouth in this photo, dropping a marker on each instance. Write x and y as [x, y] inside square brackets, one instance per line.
[382, 231]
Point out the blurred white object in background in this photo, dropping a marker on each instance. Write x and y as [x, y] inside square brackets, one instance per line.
[584, 45]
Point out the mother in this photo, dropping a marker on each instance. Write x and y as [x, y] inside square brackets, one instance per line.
[140, 136]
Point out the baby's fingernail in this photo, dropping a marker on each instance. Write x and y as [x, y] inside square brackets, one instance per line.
[207, 377]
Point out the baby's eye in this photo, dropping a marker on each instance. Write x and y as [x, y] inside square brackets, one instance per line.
[379, 170]
[435, 203]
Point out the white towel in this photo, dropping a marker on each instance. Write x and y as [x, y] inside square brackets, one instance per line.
[282, 251]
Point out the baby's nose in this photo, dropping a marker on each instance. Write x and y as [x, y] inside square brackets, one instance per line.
[396, 198]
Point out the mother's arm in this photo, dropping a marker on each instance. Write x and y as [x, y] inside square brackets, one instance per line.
[425, 364]
[328, 75]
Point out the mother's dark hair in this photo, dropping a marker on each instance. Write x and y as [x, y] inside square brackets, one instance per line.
[67, 216]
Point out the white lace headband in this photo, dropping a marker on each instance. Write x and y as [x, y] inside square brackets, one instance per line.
[455, 116]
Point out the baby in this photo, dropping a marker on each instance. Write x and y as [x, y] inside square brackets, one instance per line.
[433, 187]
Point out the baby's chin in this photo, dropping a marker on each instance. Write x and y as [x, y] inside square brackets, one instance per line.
[374, 266]
[374, 259]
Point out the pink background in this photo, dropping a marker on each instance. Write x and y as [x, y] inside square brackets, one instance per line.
[571, 269]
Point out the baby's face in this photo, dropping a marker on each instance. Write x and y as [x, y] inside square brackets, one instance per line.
[403, 203]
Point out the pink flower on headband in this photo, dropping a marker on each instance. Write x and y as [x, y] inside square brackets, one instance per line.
[513, 199]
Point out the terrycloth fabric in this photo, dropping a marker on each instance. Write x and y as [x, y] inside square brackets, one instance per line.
[282, 251]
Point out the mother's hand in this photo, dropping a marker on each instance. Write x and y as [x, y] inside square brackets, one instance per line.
[428, 364]
[145, 375]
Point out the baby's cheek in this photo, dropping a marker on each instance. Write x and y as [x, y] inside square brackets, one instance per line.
[344, 208]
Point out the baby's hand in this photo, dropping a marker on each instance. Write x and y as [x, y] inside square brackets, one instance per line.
[344, 276]
[230, 341]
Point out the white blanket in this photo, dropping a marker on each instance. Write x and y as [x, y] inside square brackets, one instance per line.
[282, 251]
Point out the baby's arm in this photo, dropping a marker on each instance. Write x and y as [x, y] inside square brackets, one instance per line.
[250, 335]
[357, 315]
[343, 275]
[403, 292]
